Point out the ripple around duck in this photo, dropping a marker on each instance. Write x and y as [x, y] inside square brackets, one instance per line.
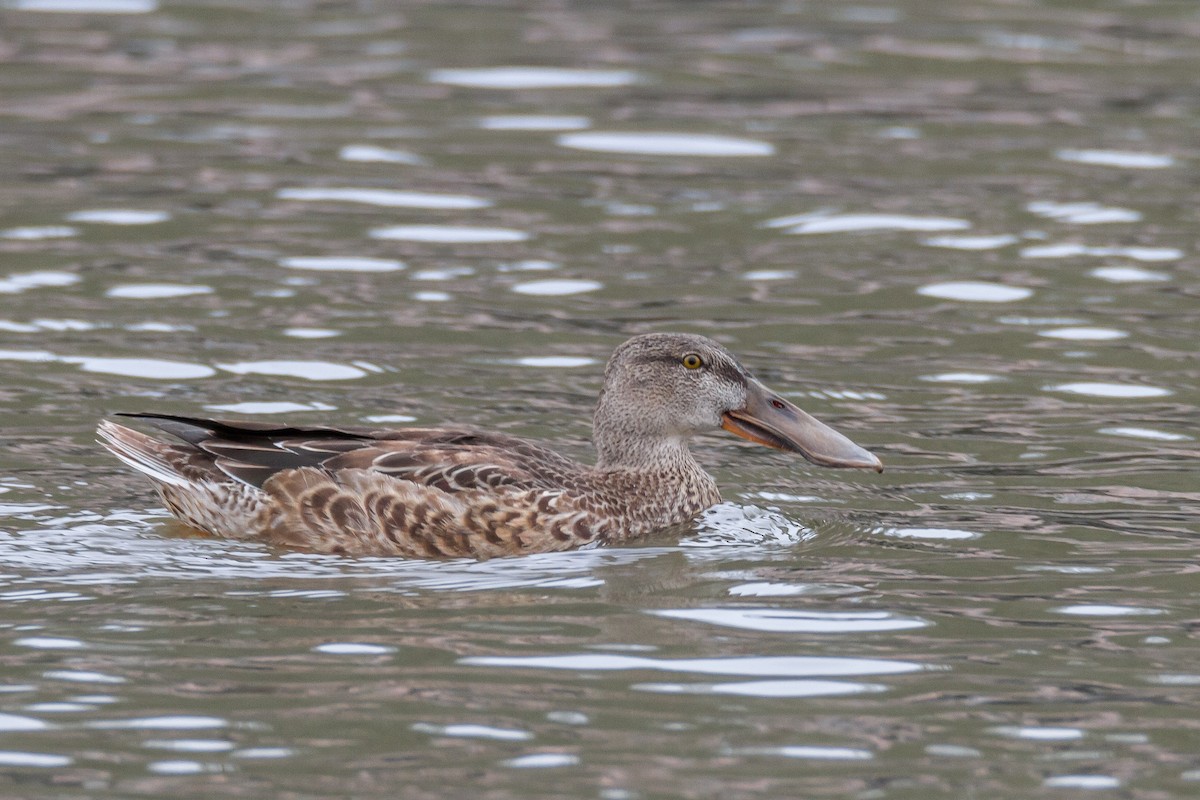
[665, 144]
[975, 292]
[449, 234]
[942, 534]
[387, 198]
[533, 78]
[774, 620]
[1117, 158]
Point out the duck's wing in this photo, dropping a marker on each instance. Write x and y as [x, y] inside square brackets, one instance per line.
[448, 459]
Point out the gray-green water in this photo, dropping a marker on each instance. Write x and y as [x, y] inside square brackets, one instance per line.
[964, 233]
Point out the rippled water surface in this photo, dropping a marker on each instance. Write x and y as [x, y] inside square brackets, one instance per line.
[964, 233]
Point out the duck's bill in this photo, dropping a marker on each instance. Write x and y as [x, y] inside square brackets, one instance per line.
[769, 420]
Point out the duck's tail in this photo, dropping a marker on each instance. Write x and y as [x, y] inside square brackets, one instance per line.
[157, 460]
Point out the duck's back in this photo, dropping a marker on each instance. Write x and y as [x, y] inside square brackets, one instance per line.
[418, 492]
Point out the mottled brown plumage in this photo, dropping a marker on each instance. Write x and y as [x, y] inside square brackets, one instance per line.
[447, 492]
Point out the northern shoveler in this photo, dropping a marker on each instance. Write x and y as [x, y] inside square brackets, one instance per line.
[452, 491]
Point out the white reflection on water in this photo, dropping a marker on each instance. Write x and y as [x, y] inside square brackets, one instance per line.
[179, 722]
[779, 620]
[808, 752]
[156, 291]
[1146, 433]
[1081, 782]
[353, 649]
[799, 688]
[851, 223]
[542, 761]
[468, 731]
[1128, 275]
[1082, 213]
[153, 368]
[15, 284]
[33, 232]
[269, 407]
[86, 6]
[1098, 389]
[1102, 610]
[1083, 334]
[387, 198]
[1039, 733]
[13, 758]
[119, 216]
[448, 234]
[1117, 158]
[971, 242]
[370, 152]
[554, 361]
[308, 370]
[976, 291]
[749, 666]
[665, 144]
[555, 288]
[16, 722]
[1074, 250]
[533, 122]
[961, 377]
[341, 263]
[533, 77]
[189, 745]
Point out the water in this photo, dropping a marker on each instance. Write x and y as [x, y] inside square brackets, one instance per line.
[962, 233]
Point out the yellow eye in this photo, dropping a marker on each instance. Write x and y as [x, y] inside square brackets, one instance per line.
[692, 361]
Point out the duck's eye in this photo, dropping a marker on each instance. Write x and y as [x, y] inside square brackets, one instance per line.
[692, 361]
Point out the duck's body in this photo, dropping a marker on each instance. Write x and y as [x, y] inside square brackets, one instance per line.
[444, 492]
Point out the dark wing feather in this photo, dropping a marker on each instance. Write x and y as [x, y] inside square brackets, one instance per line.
[449, 459]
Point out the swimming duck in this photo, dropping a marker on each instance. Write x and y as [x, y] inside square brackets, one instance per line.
[453, 491]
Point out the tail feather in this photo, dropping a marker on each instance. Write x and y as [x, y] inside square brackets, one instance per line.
[145, 454]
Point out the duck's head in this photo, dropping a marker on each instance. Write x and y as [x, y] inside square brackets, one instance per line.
[660, 389]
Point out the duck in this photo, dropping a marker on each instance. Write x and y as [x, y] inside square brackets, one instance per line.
[457, 492]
